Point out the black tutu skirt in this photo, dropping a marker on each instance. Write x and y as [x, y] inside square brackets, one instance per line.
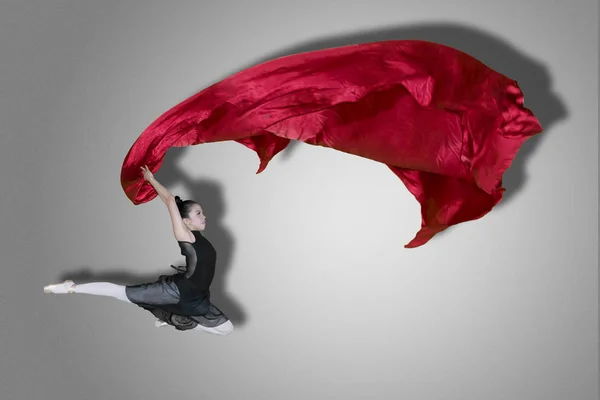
[172, 300]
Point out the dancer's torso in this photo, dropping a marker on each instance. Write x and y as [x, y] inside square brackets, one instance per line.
[201, 257]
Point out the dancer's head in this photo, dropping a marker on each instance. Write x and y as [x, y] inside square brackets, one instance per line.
[191, 213]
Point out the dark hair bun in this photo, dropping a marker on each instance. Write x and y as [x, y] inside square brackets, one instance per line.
[178, 200]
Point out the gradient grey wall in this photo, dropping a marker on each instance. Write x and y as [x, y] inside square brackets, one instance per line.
[326, 301]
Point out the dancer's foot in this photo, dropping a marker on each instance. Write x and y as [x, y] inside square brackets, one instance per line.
[158, 323]
[65, 287]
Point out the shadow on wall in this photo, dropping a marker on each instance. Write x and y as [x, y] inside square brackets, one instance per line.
[532, 76]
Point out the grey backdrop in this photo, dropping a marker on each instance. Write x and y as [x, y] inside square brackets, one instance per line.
[326, 302]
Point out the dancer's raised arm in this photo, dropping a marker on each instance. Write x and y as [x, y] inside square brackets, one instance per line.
[162, 191]
[179, 230]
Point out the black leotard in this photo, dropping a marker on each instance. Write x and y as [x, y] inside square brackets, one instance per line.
[200, 259]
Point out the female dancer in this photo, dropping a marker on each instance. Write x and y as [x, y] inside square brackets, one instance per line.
[183, 299]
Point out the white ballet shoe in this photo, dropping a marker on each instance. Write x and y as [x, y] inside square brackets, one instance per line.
[57, 288]
[158, 323]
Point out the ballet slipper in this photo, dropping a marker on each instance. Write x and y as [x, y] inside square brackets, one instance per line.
[158, 323]
[59, 288]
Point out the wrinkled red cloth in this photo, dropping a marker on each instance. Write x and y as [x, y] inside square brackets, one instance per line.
[446, 124]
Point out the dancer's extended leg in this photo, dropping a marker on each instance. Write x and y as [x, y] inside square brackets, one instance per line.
[103, 289]
[118, 292]
[95, 288]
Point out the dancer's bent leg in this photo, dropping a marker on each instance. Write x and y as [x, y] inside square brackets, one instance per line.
[225, 329]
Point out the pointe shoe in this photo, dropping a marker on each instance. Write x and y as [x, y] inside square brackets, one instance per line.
[158, 323]
[65, 287]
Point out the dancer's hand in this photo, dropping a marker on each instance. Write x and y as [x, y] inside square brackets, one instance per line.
[179, 268]
[146, 172]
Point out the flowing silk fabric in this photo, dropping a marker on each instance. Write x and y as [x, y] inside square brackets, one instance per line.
[446, 124]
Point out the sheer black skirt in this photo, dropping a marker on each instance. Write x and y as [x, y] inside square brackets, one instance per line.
[172, 299]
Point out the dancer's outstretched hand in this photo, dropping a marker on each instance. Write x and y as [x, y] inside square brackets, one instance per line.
[146, 172]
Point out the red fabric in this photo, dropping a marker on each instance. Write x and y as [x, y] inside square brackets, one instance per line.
[446, 124]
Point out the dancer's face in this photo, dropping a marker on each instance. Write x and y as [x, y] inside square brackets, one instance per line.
[196, 220]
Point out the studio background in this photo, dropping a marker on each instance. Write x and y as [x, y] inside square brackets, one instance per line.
[326, 301]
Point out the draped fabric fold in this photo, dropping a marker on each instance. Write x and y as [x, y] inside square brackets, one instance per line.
[446, 124]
